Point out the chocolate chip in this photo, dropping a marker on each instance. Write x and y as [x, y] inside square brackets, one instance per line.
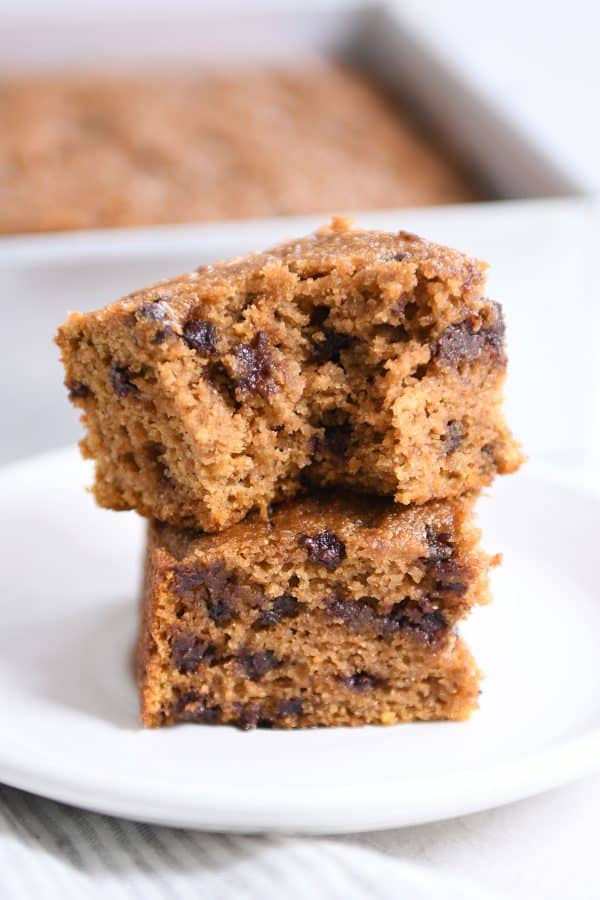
[462, 344]
[324, 547]
[284, 607]
[154, 311]
[77, 390]
[255, 665]
[450, 576]
[328, 349]
[358, 615]
[248, 715]
[192, 707]
[213, 586]
[188, 651]
[454, 436]
[291, 706]
[254, 367]
[396, 257]
[362, 681]
[451, 587]
[439, 544]
[120, 378]
[420, 619]
[200, 336]
[318, 314]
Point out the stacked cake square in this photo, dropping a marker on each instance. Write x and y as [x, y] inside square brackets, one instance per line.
[307, 430]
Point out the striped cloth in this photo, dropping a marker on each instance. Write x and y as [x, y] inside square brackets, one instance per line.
[48, 851]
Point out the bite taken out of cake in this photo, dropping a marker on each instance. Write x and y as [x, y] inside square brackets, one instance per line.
[357, 359]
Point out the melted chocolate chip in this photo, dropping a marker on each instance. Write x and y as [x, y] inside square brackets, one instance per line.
[461, 344]
[362, 681]
[451, 587]
[120, 378]
[188, 651]
[357, 615]
[328, 349]
[284, 607]
[255, 665]
[212, 586]
[454, 436]
[439, 544]
[254, 367]
[420, 619]
[291, 706]
[192, 707]
[248, 715]
[77, 390]
[450, 576]
[200, 336]
[324, 548]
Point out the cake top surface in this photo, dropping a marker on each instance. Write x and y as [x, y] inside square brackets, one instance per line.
[333, 255]
[328, 524]
[341, 245]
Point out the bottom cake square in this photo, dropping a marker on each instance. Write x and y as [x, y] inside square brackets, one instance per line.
[338, 610]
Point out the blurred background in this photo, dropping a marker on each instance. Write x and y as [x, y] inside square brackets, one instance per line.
[138, 141]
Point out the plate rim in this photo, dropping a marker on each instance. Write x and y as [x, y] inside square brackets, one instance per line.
[398, 803]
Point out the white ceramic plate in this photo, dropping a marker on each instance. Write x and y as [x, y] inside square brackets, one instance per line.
[69, 711]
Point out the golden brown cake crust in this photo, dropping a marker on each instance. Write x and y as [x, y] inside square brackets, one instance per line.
[90, 151]
[337, 611]
[356, 358]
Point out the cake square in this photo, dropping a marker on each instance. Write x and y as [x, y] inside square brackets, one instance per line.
[338, 610]
[114, 149]
[366, 360]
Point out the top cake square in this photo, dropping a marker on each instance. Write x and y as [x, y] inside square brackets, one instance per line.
[355, 358]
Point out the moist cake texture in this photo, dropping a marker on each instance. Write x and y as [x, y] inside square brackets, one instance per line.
[338, 610]
[352, 358]
[90, 151]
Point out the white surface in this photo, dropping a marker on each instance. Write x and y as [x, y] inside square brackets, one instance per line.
[69, 703]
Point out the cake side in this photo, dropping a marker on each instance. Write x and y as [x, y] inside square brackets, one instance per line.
[337, 611]
[359, 358]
